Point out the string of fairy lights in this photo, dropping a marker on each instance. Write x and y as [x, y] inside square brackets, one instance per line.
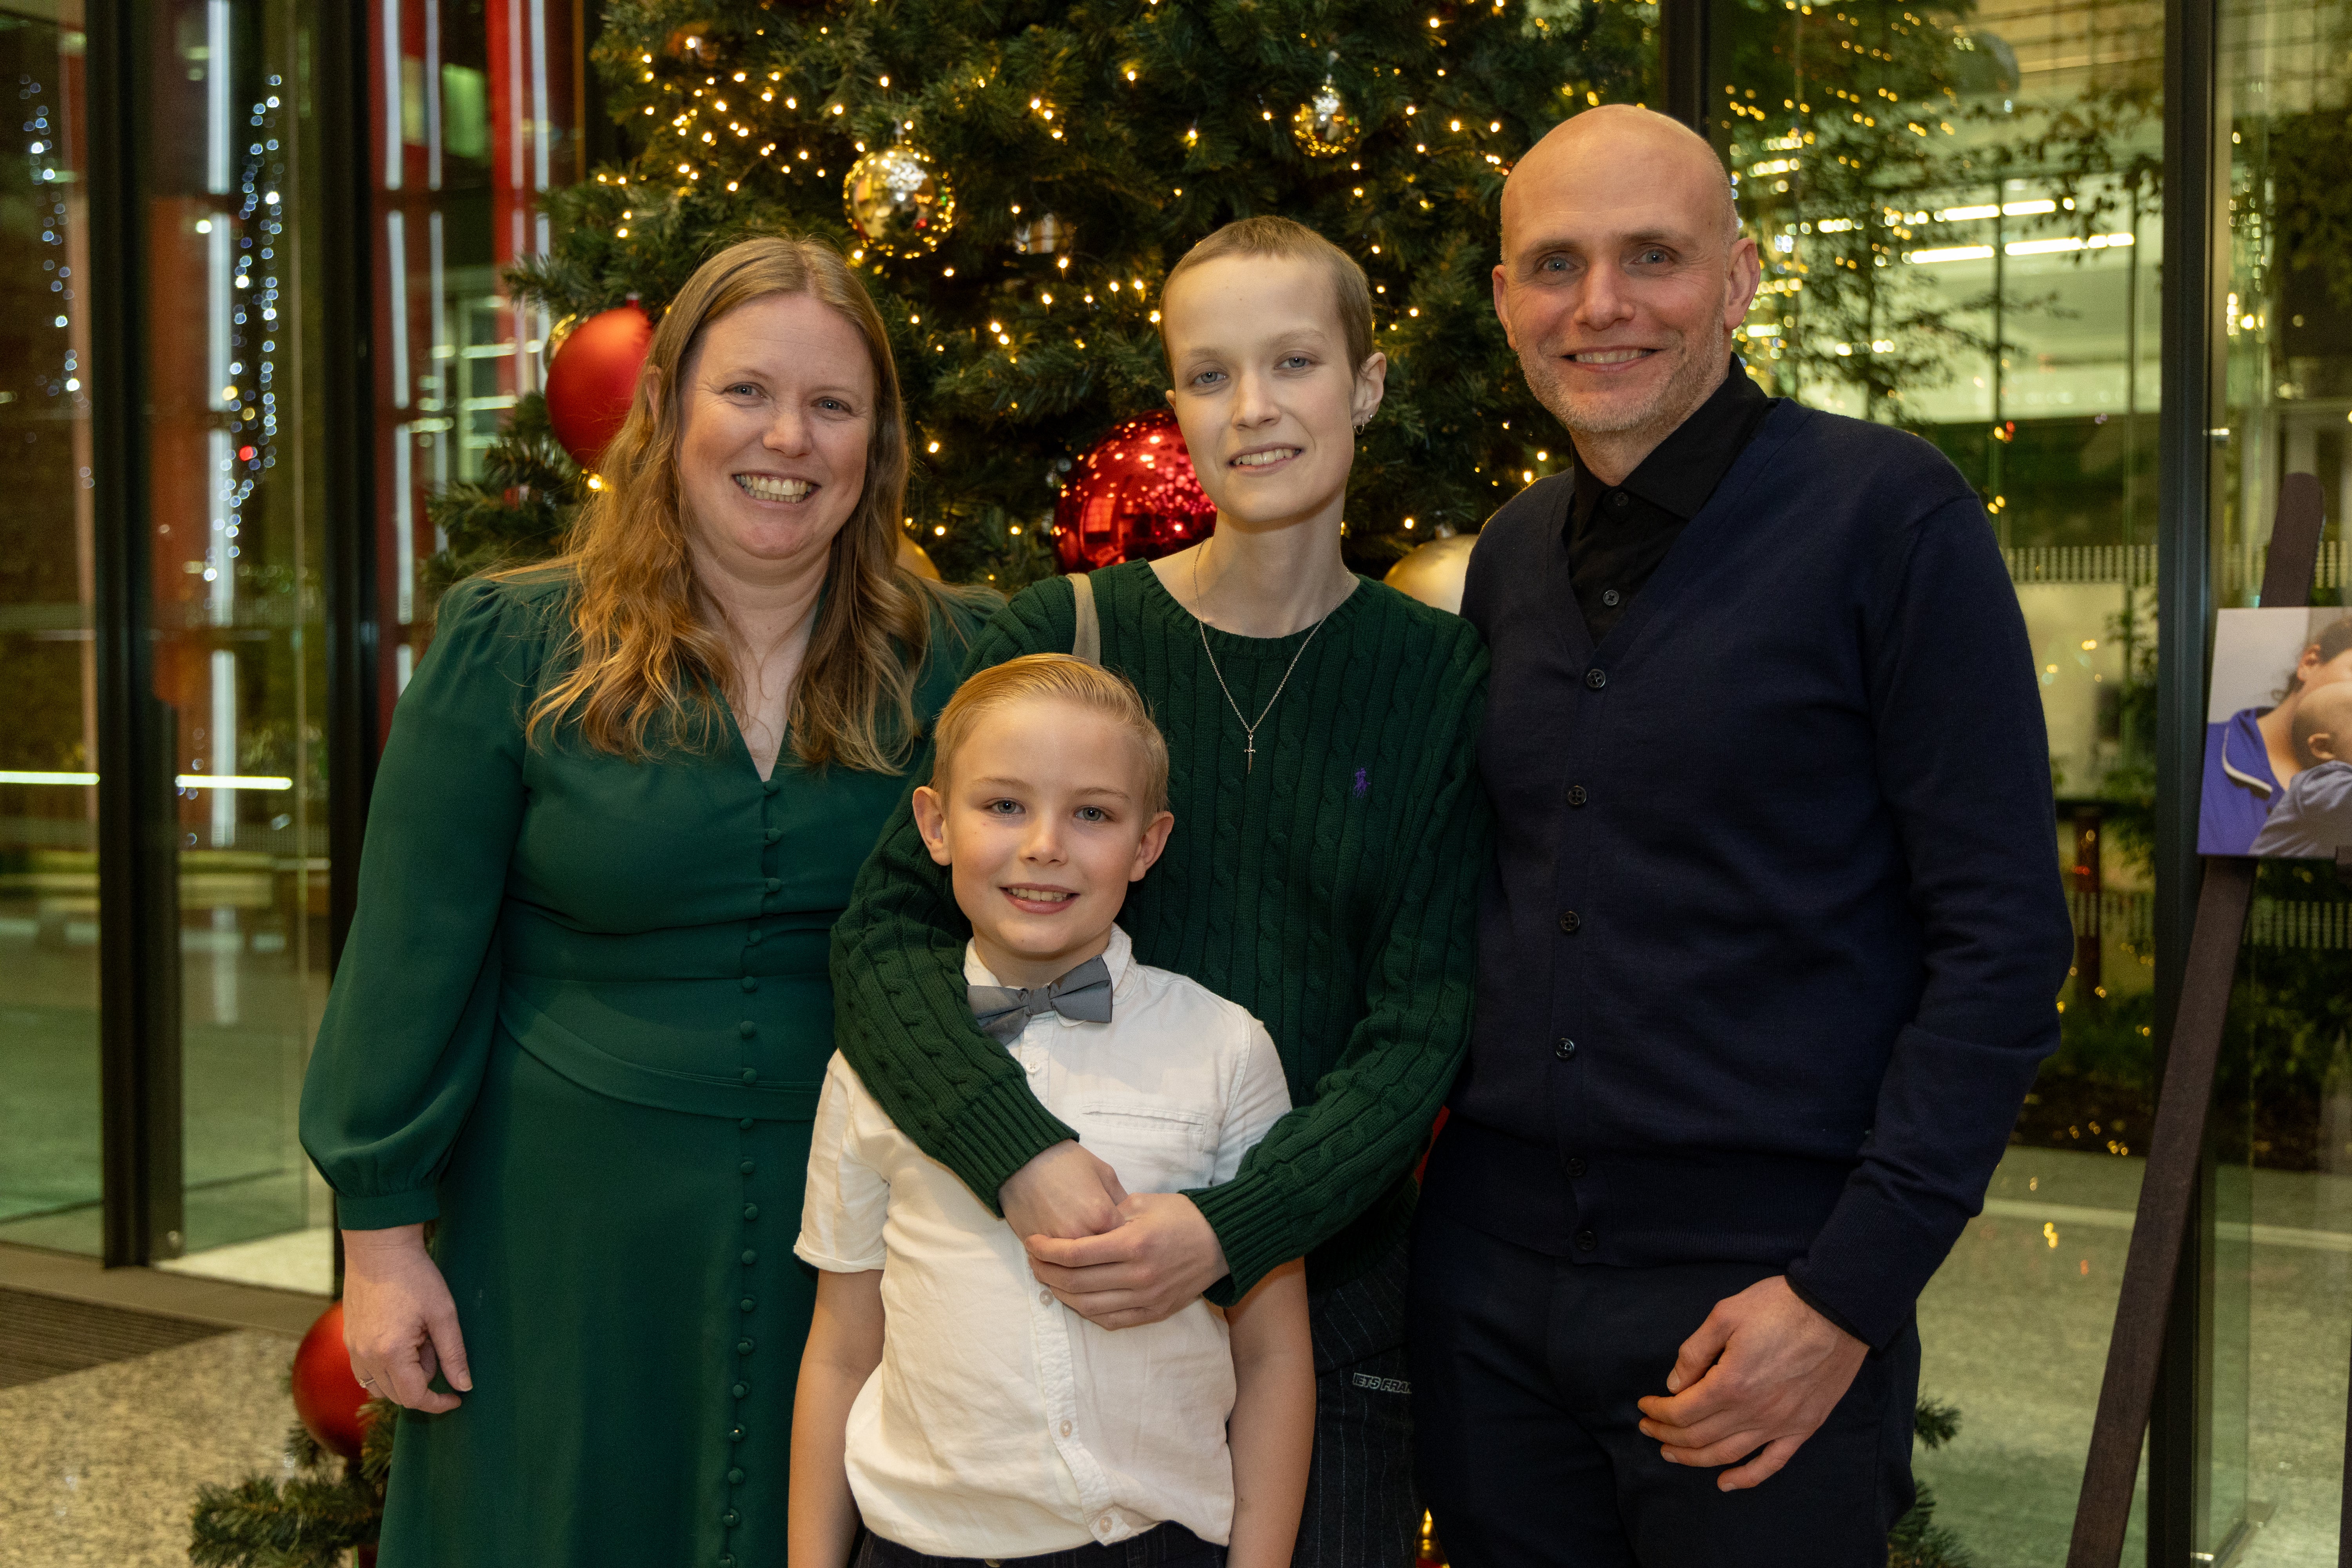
[732, 127]
[259, 226]
[48, 175]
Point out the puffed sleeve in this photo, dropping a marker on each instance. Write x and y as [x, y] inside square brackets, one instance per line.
[410, 1018]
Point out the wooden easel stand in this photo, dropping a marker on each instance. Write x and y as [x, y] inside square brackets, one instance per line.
[2127, 1391]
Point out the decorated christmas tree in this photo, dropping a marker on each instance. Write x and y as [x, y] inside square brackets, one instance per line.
[1014, 182]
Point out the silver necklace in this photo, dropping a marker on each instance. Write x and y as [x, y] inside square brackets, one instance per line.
[1249, 729]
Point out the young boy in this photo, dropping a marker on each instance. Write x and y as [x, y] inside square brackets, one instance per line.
[2314, 818]
[945, 1397]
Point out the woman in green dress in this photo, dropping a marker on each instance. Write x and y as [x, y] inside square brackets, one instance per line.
[581, 1019]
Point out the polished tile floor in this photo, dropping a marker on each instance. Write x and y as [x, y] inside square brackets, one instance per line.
[99, 1467]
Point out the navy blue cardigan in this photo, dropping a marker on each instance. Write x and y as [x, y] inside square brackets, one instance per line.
[1773, 948]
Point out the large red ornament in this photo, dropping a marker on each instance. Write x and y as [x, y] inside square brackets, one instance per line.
[1134, 498]
[592, 377]
[327, 1397]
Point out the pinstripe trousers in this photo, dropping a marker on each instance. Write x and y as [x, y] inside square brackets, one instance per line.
[1361, 1509]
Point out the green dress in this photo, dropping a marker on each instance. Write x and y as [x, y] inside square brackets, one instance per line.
[581, 1021]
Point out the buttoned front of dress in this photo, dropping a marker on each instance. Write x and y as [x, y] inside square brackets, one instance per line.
[603, 1090]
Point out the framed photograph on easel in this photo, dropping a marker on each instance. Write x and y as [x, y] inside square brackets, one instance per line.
[2278, 735]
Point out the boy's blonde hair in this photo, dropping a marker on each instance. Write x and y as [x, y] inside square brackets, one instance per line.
[1282, 238]
[1053, 675]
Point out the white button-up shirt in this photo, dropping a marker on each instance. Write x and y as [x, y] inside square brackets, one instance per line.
[999, 1423]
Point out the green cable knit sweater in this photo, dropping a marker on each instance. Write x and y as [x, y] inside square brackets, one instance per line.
[1331, 888]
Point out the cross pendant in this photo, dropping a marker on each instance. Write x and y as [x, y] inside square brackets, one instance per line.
[1249, 755]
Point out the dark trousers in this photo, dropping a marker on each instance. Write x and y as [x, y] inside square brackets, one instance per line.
[1526, 1370]
[1167, 1546]
[1362, 1512]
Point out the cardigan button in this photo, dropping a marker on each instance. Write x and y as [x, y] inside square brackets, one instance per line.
[750, 983]
[770, 784]
[750, 1075]
[747, 1029]
[1569, 923]
[1564, 1050]
[750, 1258]
[1576, 1166]
[1596, 678]
[1576, 796]
[775, 884]
[1610, 597]
[748, 1166]
[747, 1124]
[773, 833]
[749, 1304]
[1586, 1241]
[731, 1519]
[743, 1347]
[750, 1211]
[735, 1434]
[742, 1389]
[734, 1478]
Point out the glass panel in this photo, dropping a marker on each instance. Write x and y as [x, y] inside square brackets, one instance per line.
[234, 531]
[476, 105]
[1959, 217]
[2283, 1115]
[49, 717]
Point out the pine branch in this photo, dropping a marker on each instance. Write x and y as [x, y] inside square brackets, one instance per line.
[302, 1522]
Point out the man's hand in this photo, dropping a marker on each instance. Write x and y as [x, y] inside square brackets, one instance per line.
[1161, 1257]
[399, 1323]
[1064, 1193]
[1762, 1373]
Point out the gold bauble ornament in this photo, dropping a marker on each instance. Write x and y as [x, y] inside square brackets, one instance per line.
[557, 330]
[914, 558]
[1324, 126]
[1434, 572]
[1045, 235]
[898, 203]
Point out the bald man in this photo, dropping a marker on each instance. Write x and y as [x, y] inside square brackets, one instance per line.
[1767, 960]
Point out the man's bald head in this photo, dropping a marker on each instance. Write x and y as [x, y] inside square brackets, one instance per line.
[1624, 275]
[1629, 141]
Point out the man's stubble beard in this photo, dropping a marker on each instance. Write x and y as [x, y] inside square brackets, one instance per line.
[1677, 398]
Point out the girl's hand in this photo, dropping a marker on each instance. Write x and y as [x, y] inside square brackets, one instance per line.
[400, 1324]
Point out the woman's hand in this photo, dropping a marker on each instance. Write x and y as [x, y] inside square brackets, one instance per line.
[399, 1323]
[1160, 1258]
[1064, 1193]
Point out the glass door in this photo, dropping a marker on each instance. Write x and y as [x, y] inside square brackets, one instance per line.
[2283, 1287]
[49, 1122]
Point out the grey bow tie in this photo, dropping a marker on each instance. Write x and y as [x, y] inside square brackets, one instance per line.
[1084, 993]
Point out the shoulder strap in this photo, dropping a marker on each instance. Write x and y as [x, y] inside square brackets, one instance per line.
[1088, 644]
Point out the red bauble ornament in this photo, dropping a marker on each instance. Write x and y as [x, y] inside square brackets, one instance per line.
[1134, 498]
[327, 1397]
[592, 378]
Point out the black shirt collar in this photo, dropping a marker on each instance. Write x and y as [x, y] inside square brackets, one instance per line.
[1682, 470]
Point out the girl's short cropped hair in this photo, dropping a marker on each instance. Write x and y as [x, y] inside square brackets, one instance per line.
[1291, 241]
[1056, 675]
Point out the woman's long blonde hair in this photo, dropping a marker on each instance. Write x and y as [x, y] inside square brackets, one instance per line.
[650, 659]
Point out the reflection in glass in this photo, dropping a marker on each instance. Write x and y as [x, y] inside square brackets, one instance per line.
[2284, 1105]
[235, 532]
[48, 857]
[1959, 212]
